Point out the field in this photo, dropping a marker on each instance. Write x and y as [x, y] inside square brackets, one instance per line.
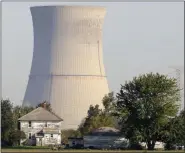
[92, 151]
[47, 150]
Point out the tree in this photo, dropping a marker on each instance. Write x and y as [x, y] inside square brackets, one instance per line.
[109, 102]
[16, 136]
[93, 111]
[96, 118]
[46, 105]
[145, 106]
[69, 133]
[9, 121]
[18, 112]
[6, 119]
[174, 133]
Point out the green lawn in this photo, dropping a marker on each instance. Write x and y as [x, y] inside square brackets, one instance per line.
[48, 150]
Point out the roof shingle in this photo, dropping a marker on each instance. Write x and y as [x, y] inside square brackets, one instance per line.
[40, 114]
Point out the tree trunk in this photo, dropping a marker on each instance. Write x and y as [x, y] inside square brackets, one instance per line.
[151, 145]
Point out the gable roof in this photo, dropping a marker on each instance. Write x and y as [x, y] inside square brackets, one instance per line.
[40, 114]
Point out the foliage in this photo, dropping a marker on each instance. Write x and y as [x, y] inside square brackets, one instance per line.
[65, 134]
[9, 121]
[18, 112]
[174, 132]
[93, 111]
[26, 147]
[145, 105]
[97, 117]
[45, 104]
[6, 119]
[16, 136]
[109, 102]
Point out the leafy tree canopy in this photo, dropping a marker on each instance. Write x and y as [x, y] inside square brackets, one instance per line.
[16, 136]
[69, 133]
[18, 112]
[174, 131]
[6, 119]
[97, 117]
[145, 105]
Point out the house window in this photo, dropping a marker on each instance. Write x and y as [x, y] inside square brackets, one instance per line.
[29, 123]
[19, 125]
[33, 136]
[51, 135]
[29, 136]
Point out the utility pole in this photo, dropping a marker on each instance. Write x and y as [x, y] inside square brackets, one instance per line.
[178, 75]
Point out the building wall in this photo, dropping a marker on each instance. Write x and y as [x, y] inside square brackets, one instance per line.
[99, 141]
[56, 139]
[37, 126]
[67, 66]
[73, 142]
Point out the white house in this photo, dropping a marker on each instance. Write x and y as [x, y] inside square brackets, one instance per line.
[41, 127]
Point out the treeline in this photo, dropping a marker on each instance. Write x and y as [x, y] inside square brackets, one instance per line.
[145, 110]
[10, 133]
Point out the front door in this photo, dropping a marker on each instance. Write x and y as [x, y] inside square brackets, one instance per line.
[39, 141]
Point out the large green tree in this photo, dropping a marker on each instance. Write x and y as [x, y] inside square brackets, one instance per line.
[6, 119]
[145, 106]
[9, 121]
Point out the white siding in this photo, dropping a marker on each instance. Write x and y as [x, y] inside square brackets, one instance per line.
[37, 126]
[99, 141]
[67, 67]
[56, 139]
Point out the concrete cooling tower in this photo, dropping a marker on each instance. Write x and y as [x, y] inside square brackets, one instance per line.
[67, 66]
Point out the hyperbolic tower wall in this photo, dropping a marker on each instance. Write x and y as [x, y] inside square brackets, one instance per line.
[67, 66]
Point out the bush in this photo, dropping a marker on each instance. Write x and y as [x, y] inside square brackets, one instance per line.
[136, 146]
[169, 146]
[16, 136]
[78, 146]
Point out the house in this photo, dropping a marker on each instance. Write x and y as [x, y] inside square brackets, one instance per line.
[104, 138]
[41, 127]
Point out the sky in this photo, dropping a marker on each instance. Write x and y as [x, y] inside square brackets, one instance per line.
[138, 38]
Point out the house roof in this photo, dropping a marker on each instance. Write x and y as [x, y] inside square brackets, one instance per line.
[75, 138]
[105, 131]
[40, 114]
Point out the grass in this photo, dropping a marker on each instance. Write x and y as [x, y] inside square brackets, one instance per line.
[26, 147]
[44, 149]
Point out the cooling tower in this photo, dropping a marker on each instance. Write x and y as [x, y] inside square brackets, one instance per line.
[67, 66]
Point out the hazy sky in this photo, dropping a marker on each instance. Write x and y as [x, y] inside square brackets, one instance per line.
[138, 38]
